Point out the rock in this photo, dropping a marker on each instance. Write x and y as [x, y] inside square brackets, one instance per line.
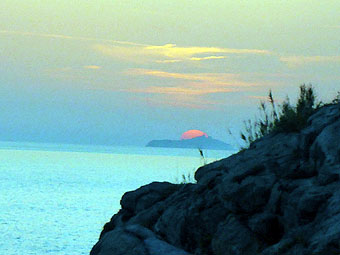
[322, 118]
[248, 196]
[156, 247]
[146, 196]
[267, 226]
[310, 202]
[134, 240]
[333, 205]
[119, 242]
[279, 197]
[172, 232]
[147, 218]
[327, 144]
[326, 240]
[234, 238]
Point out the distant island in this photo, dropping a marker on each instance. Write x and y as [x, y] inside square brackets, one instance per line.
[200, 142]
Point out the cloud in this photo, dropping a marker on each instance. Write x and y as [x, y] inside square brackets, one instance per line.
[192, 58]
[173, 51]
[294, 61]
[95, 67]
[129, 53]
[195, 91]
[141, 53]
[170, 53]
[68, 37]
[189, 90]
[207, 58]
[211, 79]
[169, 61]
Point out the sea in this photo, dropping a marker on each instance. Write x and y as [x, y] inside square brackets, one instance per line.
[55, 198]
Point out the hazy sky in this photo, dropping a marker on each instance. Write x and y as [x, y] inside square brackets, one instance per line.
[126, 72]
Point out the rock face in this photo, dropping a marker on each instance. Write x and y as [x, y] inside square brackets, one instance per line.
[280, 196]
[200, 142]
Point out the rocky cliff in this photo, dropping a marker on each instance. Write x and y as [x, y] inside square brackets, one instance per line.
[280, 196]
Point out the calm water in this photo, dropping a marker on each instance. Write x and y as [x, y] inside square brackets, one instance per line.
[55, 199]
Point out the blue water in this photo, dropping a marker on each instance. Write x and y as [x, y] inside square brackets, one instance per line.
[55, 199]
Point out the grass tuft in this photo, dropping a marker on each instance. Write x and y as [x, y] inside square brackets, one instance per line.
[282, 118]
[189, 177]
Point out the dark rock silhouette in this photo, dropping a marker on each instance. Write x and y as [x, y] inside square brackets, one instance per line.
[200, 142]
[280, 196]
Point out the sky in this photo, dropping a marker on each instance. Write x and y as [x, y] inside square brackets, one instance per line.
[127, 72]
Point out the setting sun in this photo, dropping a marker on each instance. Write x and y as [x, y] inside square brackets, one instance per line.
[193, 133]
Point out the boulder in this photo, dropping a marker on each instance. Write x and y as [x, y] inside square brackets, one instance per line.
[134, 240]
[232, 237]
[146, 196]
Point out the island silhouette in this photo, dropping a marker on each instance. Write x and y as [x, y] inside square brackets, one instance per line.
[192, 139]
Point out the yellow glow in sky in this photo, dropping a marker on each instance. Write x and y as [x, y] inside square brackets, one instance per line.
[182, 55]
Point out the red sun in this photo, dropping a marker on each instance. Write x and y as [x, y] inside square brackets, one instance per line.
[190, 134]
